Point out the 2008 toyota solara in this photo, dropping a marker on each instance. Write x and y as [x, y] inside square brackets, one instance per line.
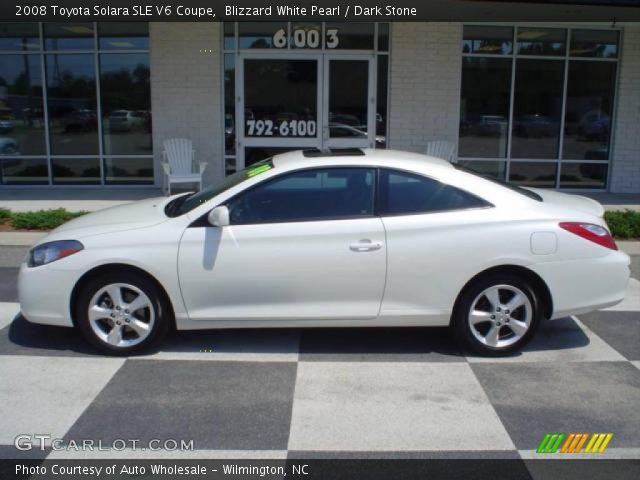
[336, 238]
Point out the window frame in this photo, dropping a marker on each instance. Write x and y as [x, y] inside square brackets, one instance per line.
[377, 197]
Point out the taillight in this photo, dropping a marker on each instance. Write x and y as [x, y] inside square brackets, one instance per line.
[591, 232]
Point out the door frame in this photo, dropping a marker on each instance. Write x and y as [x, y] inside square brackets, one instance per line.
[321, 139]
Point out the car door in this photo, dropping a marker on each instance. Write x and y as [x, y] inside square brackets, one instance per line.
[303, 245]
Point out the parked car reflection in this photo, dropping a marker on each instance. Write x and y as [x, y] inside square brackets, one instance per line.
[535, 125]
[127, 120]
[81, 121]
[340, 130]
[9, 146]
[594, 125]
[6, 125]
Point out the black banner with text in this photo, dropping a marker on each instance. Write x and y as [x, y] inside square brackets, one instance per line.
[319, 10]
[312, 469]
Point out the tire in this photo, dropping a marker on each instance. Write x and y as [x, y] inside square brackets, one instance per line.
[496, 330]
[107, 323]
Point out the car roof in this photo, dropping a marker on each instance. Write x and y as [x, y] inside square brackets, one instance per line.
[369, 156]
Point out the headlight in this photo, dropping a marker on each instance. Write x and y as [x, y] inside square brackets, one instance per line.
[52, 251]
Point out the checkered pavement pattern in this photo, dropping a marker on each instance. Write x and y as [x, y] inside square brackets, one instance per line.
[324, 393]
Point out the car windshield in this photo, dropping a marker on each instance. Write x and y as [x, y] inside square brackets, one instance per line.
[186, 203]
[515, 188]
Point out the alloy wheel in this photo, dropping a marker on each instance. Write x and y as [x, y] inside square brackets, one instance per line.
[500, 316]
[121, 315]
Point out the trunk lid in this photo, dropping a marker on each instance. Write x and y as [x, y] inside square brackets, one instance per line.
[570, 201]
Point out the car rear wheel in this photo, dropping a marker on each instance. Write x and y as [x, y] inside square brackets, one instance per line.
[121, 314]
[496, 315]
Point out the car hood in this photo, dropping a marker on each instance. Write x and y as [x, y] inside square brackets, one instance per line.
[570, 201]
[144, 213]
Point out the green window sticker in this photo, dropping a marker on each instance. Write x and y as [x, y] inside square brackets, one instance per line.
[258, 170]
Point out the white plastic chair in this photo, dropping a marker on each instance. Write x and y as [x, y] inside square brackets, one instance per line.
[442, 149]
[178, 163]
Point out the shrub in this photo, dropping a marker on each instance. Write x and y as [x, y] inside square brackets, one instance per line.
[5, 213]
[623, 224]
[42, 219]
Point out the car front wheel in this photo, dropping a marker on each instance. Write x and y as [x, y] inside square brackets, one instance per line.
[496, 315]
[121, 314]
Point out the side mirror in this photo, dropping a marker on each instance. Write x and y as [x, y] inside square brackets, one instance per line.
[219, 216]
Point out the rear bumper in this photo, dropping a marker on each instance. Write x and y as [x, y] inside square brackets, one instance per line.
[585, 285]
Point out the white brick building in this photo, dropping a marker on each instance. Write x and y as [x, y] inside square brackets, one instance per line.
[554, 106]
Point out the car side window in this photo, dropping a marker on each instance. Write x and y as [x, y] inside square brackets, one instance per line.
[307, 195]
[404, 193]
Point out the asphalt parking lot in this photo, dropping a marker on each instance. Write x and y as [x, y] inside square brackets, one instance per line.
[322, 392]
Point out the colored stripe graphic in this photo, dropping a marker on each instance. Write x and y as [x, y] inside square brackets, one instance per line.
[578, 448]
[550, 443]
[597, 442]
[574, 443]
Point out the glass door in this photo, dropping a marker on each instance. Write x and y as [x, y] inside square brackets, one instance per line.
[349, 102]
[280, 107]
[298, 101]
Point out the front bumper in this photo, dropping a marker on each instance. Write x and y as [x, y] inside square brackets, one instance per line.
[44, 294]
[585, 285]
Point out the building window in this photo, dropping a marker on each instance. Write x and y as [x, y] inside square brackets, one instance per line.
[75, 104]
[537, 104]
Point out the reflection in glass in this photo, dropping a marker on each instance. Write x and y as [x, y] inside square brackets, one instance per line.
[128, 171]
[123, 35]
[348, 101]
[349, 36]
[229, 36]
[69, 36]
[30, 171]
[537, 108]
[76, 171]
[21, 108]
[255, 154]
[594, 43]
[19, 37]
[383, 37]
[71, 92]
[280, 98]
[229, 104]
[486, 168]
[541, 41]
[590, 92]
[260, 34]
[583, 175]
[381, 102]
[484, 107]
[490, 40]
[126, 103]
[533, 174]
[230, 165]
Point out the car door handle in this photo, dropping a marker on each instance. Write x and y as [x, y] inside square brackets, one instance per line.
[365, 245]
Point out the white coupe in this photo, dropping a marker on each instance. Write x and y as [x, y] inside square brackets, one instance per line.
[341, 238]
